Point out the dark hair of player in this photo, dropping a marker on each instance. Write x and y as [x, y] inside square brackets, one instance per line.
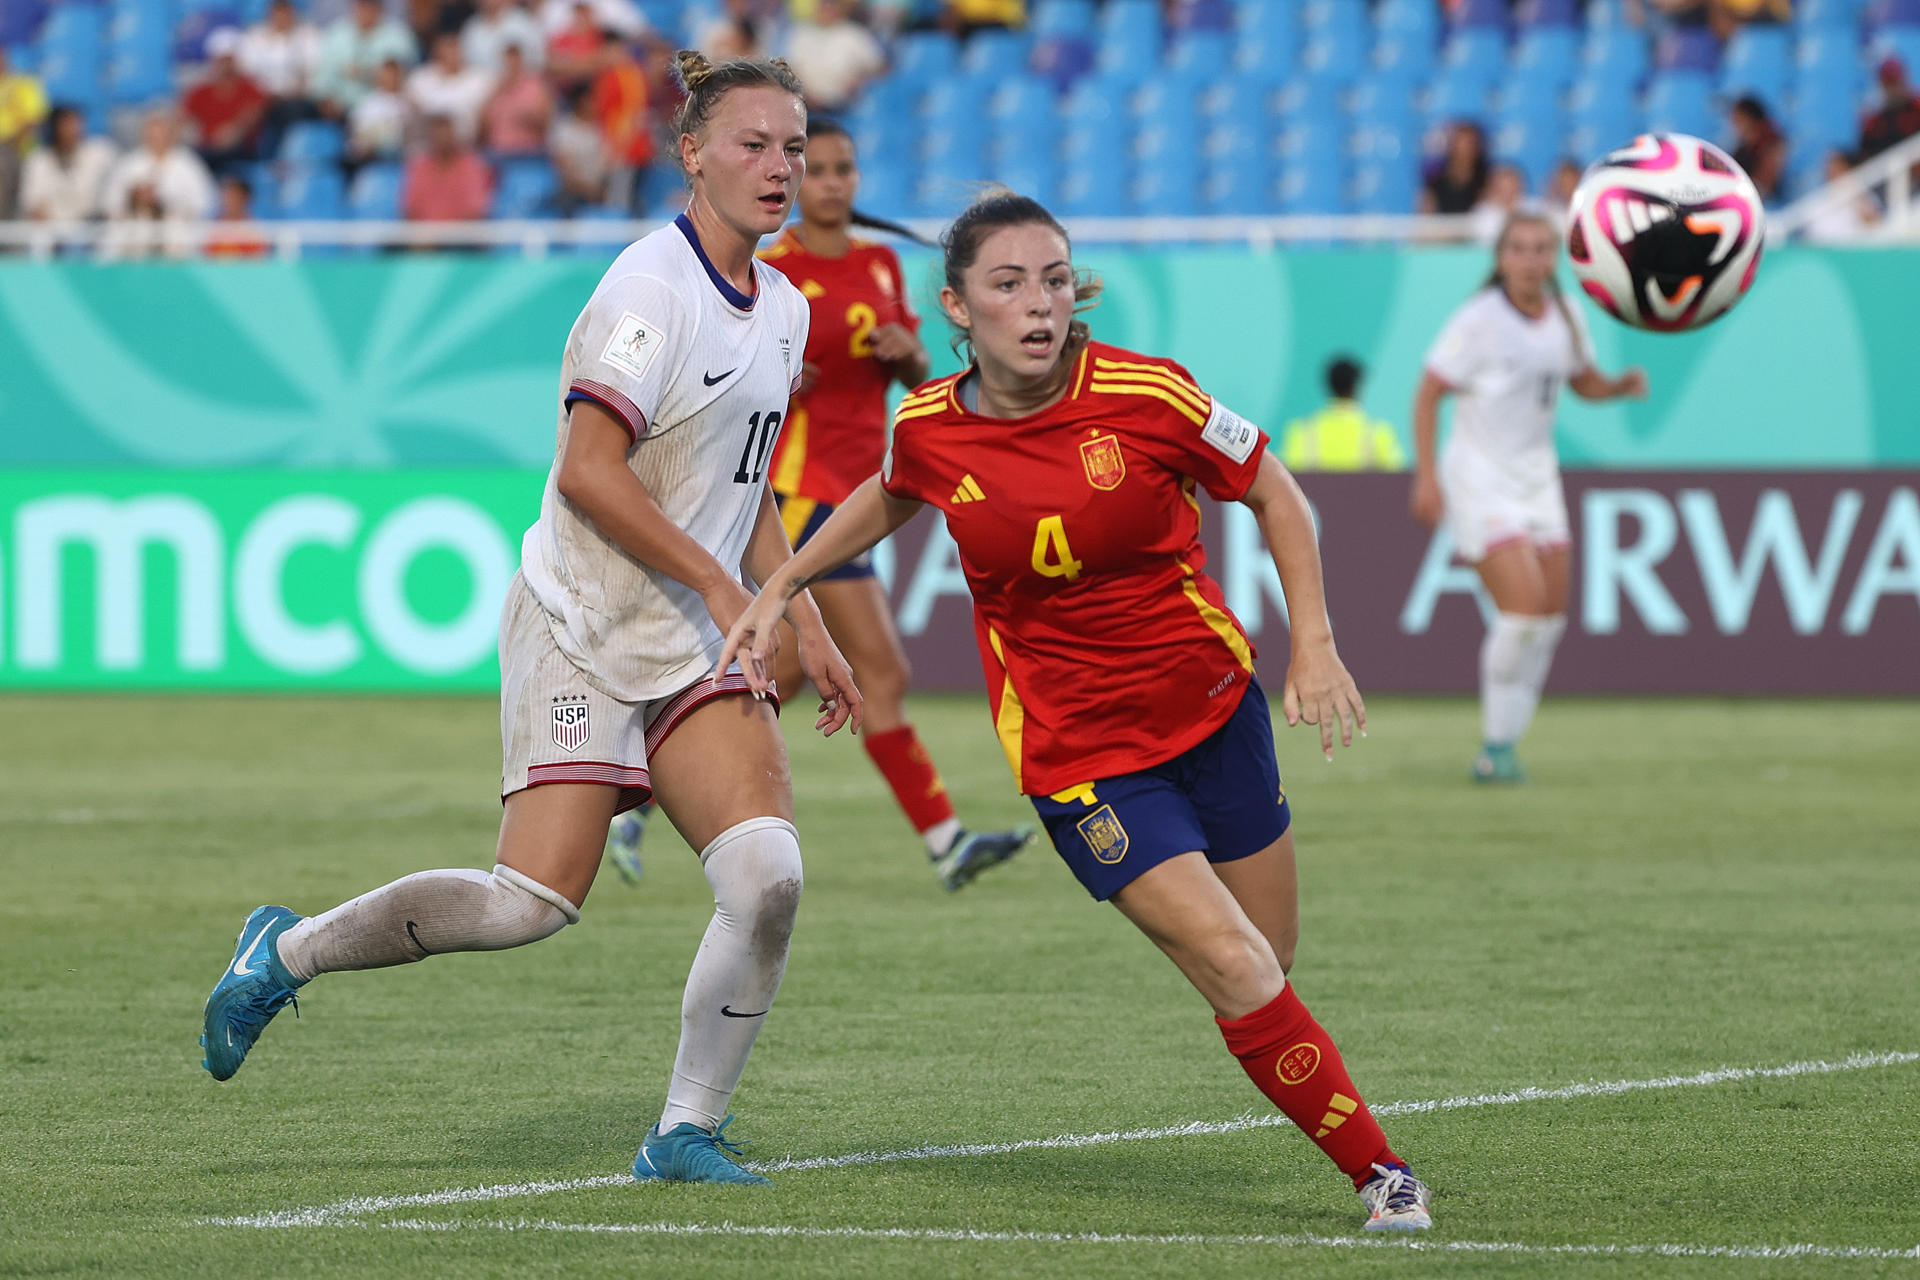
[708, 82]
[826, 127]
[1528, 218]
[1754, 109]
[994, 211]
[1343, 377]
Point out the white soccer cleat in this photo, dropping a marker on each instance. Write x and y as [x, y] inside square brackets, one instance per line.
[1396, 1200]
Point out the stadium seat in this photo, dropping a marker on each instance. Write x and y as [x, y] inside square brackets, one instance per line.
[1403, 60]
[1458, 98]
[1037, 179]
[1088, 193]
[662, 189]
[311, 192]
[1130, 47]
[1250, 16]
[1548, 53]
[312, 142]
[1239, 99]
[139, 55]
[954, 151]
[1383, 103]
[1810, 16]
[1407, 19]
[1023, 101]
[1096, 101]
[1312, 142]
[524, 187]
[1682, 102]
[1823, 117]
[1588, 140]
[1235, 142]
[926, 57]
[374, 195]
[1268, 54]
[1536, 99]
[1619, 56]
[891, 94]
[1053, 19]
[1237, 190]
[1343, 41]
[1549, 14]
[1480, 13]
[886, 191]
[1381, 144]
[1758, 60]
[1170, 99]
[1200, 54]
[1687, 49]
[1161, 192]
[1327, 62]
[1531, 145]
[1476, 52]
[1605, 109]
[72, 48]
[996, 55]
[1383, 188]
[1313, 186]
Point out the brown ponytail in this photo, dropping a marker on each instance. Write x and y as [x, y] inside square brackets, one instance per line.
[1524, 218]
[708, 82]
[998, 207]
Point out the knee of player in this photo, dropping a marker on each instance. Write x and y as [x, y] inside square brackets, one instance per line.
[774, 910]
[1237, 959]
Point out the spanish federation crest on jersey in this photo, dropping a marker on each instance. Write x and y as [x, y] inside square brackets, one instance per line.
[570, 725]
[1104, 834]
[1106, 465]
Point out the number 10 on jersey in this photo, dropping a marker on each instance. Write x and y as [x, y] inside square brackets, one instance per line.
[761, 429]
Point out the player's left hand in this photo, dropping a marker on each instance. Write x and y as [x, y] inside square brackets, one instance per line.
[893, 342]
[1320, 692]
[1633, 383]
[823, 664]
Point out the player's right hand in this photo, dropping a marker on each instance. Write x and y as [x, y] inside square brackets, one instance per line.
[1426, 502]
[729, 604]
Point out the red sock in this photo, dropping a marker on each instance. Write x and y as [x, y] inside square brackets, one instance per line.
[1292, 1060]
[916, 784]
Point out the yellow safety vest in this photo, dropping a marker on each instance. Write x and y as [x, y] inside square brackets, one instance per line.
[1341, 437]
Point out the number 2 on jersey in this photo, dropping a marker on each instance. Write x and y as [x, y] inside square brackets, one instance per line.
[759, 440]
[863, 320]
[1052, 557]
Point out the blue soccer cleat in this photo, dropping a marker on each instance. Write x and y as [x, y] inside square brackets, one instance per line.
[974, 851]
[254, 988]
[1497, 763]
[688, 1153]
[1396, 1200]
[623, 842]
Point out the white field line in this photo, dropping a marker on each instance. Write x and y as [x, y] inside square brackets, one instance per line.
[361, 1206]
[1299, 1240]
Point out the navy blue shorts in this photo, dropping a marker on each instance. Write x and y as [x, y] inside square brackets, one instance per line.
[1221, 797]
[803, 518]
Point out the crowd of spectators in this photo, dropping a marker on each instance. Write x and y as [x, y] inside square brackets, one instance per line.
[445, 93]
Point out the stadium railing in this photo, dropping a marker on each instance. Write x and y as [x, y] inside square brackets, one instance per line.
[1887, 177]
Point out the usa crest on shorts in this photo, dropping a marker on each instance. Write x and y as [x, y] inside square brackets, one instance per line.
[570, 727]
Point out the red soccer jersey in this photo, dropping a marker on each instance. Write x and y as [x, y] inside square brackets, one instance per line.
[1107, 648]
[837, 431]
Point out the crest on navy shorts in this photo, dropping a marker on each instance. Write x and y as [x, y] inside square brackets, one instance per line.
[570, 727]
[1106, 467]
[1104, 835]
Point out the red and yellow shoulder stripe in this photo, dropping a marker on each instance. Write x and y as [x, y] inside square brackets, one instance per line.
[783, 244]
[1111, 375]
[925, 400]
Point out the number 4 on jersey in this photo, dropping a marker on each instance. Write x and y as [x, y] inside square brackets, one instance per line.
[1052, 557]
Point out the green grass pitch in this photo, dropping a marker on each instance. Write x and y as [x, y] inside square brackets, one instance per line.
[1685, 886]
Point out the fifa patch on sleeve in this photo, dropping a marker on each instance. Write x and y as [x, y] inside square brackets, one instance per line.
[634, 346]
[1230, 433]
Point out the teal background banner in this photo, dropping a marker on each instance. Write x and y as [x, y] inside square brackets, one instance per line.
[443, 361]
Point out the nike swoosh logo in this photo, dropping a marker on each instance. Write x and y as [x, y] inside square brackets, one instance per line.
[242, 960]
[712, 379]
[727, 1012]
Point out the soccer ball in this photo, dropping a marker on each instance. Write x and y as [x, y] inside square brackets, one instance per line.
[1666, 233]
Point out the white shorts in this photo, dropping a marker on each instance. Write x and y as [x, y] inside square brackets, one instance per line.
[556, 726]
[1488, 507]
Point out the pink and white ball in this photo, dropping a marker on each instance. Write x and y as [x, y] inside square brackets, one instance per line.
[1666, 233]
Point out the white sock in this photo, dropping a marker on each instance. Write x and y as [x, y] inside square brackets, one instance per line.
[1514, 660]
[940, 837]
[423, 915]
[754, 869]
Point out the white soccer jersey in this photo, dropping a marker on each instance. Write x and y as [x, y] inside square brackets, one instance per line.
[1506, 370]
[701, 375]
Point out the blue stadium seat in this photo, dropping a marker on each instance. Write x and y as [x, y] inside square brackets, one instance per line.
[1618, 55]
[1169, 148]
[1040, 180]
[1231, 142]
[1268, 54]
[1171, 100]
[1381, 144]
[1822, 117]
[1606, 15]
[1687, 49]
[1096, 101]
[1053, 19]
[312, 142]
[1407, 19]
[1250, 16]
[1338, 19]
[1345, 43]
[1023, 101]
[1531, 145]
[311, 192]
[1548, 53]
[1682, 101]
[1383, 103]
[926, 56]
[887, 191]
[1200, 54]
[1130, 42]
[1476, 52]
[1167, 193]
[1303, 100]
[1326, 62]
[662, 189]
[996, 55]
[954, 151]
[524, 187]
[1383, 188]
[1312, 142]
[1588, 140]
[1091, 193]
[892, 94]
[1241, 99]
[375, 193]
[1237, 190]
[1827, 16]
[1549, 13]
[72, 47]
[1481, 13]
[1454, 97]
[1758, 60]
[1537, 99]
[1313, 186]
[1403, 60]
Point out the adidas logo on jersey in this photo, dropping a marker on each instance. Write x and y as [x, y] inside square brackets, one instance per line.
[969, 491]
